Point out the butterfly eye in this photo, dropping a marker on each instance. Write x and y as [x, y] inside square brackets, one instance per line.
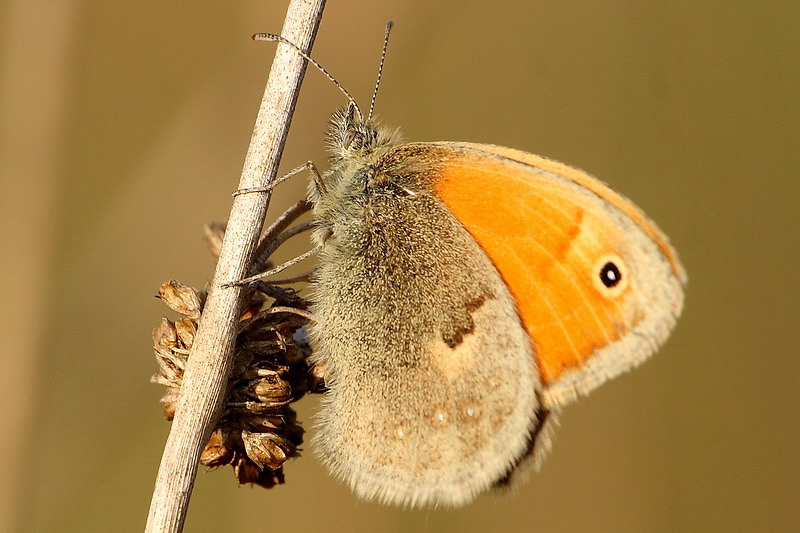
[610, 275]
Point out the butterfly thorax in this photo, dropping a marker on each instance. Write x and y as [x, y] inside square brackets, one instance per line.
[357, 149]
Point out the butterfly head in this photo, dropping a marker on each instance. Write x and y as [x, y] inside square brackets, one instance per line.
[353, 137]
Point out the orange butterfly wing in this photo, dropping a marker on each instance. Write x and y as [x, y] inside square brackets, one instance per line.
[550, 229]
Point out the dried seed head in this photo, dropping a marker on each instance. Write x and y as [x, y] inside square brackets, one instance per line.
[165, 337]
[272, 389]
[257, 430]
[171, 358]
[186, 329]
[267, 450]
[220, 449]
[181, 299]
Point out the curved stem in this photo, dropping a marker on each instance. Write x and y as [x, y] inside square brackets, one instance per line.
[209, 364]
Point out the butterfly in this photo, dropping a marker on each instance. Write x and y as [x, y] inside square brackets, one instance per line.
[465, 294]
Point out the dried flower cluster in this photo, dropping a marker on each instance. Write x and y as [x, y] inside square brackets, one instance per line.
[257, 431]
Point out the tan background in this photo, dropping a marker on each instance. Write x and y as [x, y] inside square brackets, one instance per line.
[124, 126]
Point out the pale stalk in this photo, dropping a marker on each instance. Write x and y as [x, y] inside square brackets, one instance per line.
[206, 376]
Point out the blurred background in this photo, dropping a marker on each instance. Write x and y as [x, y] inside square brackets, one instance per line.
[124, 128]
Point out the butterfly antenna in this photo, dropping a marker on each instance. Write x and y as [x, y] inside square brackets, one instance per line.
[280, 39]
[380, 69]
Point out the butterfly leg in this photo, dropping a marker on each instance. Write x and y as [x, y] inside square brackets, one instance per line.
[273, 271]
[308, 165]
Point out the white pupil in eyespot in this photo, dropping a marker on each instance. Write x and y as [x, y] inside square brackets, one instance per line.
[610, 275]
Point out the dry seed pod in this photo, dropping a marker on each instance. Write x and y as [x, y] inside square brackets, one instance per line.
[272, 390]
[186, 329]
[165, 337]
[181, 299]
[267, 450]
[168, 353]
[220, 449]
[257, 431]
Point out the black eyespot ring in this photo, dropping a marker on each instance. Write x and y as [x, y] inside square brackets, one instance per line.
[610, 275]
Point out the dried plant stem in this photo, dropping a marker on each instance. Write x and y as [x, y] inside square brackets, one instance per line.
[209, 365]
